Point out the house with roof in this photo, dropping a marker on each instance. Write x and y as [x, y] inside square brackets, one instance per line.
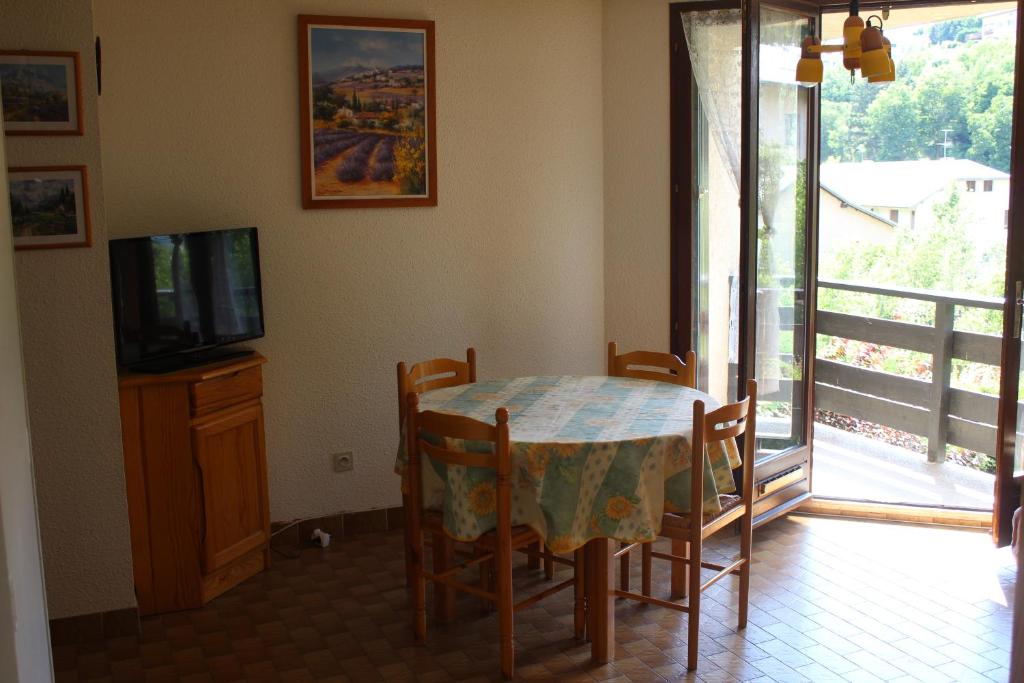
[906, 192]
[842, 222]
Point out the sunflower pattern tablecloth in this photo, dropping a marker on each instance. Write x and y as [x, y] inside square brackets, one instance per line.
[592, 457]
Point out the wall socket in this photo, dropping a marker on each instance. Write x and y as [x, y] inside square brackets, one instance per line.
[343, 462]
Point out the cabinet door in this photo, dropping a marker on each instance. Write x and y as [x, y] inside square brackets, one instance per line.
[230, 460]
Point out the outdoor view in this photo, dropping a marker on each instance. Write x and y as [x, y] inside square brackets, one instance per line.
[914, 196]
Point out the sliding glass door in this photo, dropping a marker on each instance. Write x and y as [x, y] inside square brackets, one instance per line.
[744, 165]
[779, 318]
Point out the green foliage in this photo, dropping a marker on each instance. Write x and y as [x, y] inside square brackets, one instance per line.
[943, 259]
[954, 29]
[892, 125]
[966, 90]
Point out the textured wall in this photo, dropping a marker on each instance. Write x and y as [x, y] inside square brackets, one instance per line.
[200, 129]
[64, 302]
[636, 173]
[24, 636]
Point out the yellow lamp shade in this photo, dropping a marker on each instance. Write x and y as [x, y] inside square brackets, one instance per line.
[887, 77]
[852, 29]
[890, 74]
[809, 70]
[873, 59]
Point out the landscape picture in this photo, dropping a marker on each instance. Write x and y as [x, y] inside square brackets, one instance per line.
[368, 91]
[40, 93]
[49, 207]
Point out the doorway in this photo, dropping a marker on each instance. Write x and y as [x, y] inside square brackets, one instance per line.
[914, 210]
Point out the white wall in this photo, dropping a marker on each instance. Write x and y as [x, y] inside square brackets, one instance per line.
[636, 173]
[24, 635]
[201, 129]
[64, 302]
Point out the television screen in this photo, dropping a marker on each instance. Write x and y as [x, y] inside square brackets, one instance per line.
[176, 294]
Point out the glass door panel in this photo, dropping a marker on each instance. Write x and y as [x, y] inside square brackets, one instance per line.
[780, 311]
[713, 40]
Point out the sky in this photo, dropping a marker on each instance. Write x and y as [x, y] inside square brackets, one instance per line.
[337, 47]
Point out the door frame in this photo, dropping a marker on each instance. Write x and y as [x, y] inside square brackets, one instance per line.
[1007, 490]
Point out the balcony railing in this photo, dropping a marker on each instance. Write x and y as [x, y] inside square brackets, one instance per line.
[931, 409]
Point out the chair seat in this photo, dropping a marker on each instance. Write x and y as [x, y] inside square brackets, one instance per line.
[522, 535]
[729, 503]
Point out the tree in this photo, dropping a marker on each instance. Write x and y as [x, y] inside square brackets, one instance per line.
[954, 30]
[990, 131]
[939, 101]
[893, 125]
[966, 89]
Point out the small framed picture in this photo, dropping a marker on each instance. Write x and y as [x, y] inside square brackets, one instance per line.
[41, 92]
[366, 89]
[50, 207]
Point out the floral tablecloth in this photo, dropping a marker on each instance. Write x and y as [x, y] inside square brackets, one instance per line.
[592, 457]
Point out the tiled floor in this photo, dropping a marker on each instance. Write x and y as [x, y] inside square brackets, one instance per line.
[831, 600]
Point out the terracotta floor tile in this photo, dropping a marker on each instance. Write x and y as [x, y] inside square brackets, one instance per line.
[831, 600]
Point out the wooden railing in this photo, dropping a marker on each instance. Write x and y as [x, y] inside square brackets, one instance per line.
[934, 410]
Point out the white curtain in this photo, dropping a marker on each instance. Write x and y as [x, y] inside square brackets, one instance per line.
[713, 38]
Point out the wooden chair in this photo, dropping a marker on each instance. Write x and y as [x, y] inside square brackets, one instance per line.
[693, 527]
[493, 547]
[653, 365]
[658, 367]
[437, 373]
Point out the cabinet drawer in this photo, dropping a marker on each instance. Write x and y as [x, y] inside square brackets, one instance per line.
[224, 391]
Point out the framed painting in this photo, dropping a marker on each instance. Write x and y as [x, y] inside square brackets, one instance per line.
[50, 206]
[366, 93]
[41, 92]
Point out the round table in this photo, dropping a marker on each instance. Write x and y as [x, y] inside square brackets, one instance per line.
[593, 457]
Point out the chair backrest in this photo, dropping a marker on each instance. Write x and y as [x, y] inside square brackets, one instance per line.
[444, 427]
[652, 365]
[433, 374]
[728, 422]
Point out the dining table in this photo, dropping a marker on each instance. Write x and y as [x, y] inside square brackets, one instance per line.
[596, 461]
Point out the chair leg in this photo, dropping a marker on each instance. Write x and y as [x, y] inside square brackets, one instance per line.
[693, 617]
[444, 597]
[533, 561]
[485, 584]
[579, 615]
[746, 543]
[549, 565]
[504, 579]
[419, 589]
[624, 569]
[410, 572]
[680, 570]
[645, 569]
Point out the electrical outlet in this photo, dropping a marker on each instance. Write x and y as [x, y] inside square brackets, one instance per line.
[344, 462]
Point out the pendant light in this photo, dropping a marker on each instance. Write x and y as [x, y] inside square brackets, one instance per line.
[864, 48]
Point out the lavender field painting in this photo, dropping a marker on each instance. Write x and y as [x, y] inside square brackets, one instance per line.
[368, 112]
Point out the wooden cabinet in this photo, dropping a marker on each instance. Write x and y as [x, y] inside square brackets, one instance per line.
[196, 477]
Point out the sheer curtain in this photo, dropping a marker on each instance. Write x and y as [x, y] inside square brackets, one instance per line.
[714, 41]
[713, 38]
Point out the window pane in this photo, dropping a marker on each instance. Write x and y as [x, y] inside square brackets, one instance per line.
[781, 238]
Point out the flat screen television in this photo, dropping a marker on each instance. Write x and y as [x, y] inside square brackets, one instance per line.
[179, 299]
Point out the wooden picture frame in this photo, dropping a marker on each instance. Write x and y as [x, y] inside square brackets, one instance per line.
[367, 110]
[42, 198]
[42, 92]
